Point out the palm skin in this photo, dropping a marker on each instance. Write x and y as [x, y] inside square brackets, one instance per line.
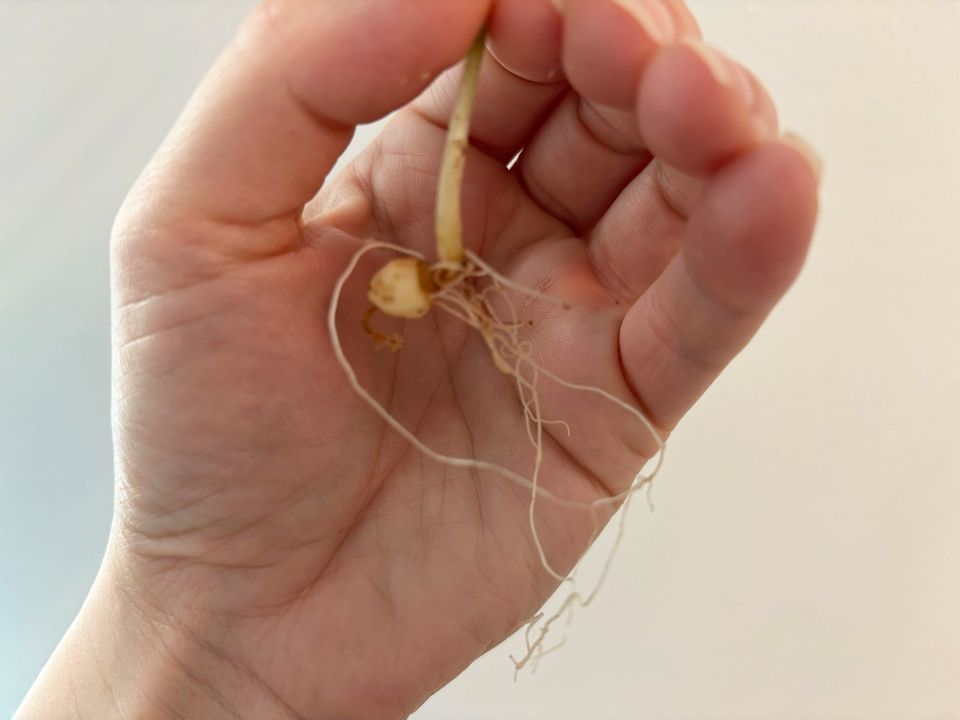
[273, 524]
[285, 508]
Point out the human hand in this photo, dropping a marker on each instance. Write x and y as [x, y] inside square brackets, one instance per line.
[277, 550]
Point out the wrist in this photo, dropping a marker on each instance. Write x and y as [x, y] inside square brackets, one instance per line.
[121, 658]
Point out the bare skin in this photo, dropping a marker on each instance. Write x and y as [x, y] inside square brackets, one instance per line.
[276, 550]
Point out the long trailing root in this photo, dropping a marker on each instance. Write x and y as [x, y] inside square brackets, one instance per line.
[505, 345]
[534, 649]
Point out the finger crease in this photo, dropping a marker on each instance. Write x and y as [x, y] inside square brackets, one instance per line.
[667, 191]
[609, 138]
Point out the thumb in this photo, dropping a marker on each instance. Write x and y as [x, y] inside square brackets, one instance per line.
[280, 105]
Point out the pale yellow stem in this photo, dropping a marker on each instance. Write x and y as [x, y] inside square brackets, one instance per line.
[449, 221]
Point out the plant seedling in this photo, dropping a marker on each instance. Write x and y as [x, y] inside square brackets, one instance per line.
[462, 285]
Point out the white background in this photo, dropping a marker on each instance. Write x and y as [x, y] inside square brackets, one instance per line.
[803, 560]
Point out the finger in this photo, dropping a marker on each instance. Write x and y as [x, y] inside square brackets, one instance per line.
[746, 240]
[278, 108]
[698, 109]
[607, 44]
[590, 147]
[639, 235]
[640, 232]
[521, 78]
[578, 162]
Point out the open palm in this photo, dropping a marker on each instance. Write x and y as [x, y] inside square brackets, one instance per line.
[267, 519]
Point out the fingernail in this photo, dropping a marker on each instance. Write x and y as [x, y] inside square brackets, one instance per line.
[724, 70]
[654, 18]
[805, 149]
